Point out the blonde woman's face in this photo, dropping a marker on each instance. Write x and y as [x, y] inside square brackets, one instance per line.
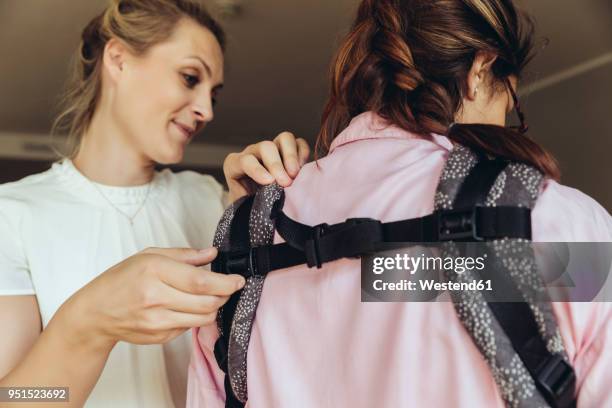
[164, 97]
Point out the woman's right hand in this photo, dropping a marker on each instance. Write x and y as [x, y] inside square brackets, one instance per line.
[149, 298]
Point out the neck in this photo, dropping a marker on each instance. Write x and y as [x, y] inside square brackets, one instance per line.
[106, 157]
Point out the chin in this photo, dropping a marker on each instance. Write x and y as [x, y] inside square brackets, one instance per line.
[169, 157]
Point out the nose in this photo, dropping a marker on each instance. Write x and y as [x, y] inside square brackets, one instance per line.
[202, 108]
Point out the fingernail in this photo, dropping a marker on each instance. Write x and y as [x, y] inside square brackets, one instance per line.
[294, 168]
[207, 251]
[240, 282]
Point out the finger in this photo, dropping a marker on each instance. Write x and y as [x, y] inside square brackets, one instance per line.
[198, 281]
[171, 320]
[271, 159]
[236, 190]
[255, 170]
[289, 152]
[196, 257]
[232, 168]
[174, 299]
[303, 151]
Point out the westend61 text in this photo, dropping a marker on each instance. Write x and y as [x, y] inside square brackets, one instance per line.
[430, 284]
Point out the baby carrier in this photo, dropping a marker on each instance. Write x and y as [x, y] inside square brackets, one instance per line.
[477, 199]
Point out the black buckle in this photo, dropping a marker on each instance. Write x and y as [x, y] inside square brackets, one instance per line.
[556, 381]
[458, 224]
[312, 247]
[243, 262]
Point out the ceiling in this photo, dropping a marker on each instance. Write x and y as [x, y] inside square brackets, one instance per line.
[277, 64]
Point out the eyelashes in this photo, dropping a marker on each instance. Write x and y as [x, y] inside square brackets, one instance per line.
[191, 81]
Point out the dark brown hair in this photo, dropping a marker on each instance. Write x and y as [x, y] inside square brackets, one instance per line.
[408, 61]
[140, 24]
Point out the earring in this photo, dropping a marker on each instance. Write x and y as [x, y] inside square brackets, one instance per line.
[475, 91]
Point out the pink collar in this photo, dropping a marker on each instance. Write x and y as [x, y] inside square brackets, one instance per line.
[369, 125]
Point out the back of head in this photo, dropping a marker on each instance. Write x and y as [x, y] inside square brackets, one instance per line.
[409, 60]
[140, 24]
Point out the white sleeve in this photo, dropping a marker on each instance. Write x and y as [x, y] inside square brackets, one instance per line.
[219, 190]
[225, 199]
[14, 272]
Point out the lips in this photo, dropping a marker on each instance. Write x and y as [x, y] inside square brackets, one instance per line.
[187, 131]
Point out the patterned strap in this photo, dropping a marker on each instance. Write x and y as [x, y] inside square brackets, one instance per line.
[236, 318]
[518, 185]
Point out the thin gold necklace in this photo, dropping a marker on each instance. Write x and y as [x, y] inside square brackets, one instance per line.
[129, 218]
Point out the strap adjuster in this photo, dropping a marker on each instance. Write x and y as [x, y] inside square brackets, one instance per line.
[312, 248]
[556, 381]
[459, 224]
[349, 239]
[243, 262]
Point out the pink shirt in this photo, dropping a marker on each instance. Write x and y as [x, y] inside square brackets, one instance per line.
[314, 344]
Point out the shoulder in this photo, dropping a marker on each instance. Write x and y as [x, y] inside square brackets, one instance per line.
[30, 185]
[16, 196]
[565, 214]
[19, 199]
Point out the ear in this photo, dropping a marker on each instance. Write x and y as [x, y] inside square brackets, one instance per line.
[115, 53]
[481, 67]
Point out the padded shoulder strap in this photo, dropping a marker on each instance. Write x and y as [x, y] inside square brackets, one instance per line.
[244, 225]
[232, 232]
[525, 354]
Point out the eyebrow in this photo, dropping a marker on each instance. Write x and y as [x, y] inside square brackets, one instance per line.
[207, 68]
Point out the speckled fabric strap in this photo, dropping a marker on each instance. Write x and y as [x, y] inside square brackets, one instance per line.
[261, 229]
[517, 185]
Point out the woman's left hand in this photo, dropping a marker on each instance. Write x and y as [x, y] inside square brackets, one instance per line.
[265, 162]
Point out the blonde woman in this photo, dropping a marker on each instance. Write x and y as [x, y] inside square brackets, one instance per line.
[84, 304]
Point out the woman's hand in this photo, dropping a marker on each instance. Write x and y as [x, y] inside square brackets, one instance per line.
[149, 298]
[265, 162]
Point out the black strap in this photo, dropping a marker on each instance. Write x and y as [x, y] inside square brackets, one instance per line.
[323, 243]
[554, 377]
[239, 238]
[358, 236]
[478, 183]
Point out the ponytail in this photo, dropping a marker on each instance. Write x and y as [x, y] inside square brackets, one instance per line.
[505, 143]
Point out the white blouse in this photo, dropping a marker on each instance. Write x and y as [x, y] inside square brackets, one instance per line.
[58, 231]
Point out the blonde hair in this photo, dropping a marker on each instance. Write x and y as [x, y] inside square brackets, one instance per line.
[140, 24]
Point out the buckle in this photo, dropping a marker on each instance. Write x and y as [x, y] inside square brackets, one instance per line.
[243, 262]
[367, 226]
[458, 224]
[556, 381]
[312, 247]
